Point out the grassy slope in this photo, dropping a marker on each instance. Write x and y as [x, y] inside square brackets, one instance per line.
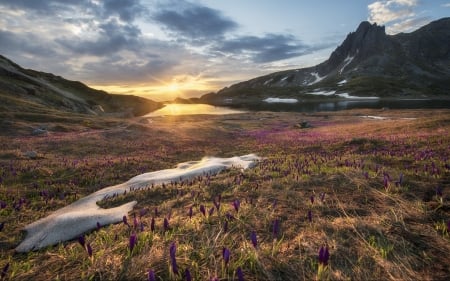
[374, 232]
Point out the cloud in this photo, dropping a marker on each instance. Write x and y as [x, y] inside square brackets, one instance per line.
[397, 15]
[194, 22]
[270, 47]
[112, 36]
[386, 11]
[446, 5]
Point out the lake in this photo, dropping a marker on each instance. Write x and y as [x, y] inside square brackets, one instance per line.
[303, 106]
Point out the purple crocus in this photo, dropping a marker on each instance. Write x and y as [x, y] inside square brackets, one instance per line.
[276, 228]
[203, 210]
[225, 226]
[312, 199]
[190, 212]
[135, 222]
[89, 249]
[166, 224]
[152, 224]
[309, 216]
[151, 275]
[217, 204]
[254, 239]
[324, 255]
[173, 260]
[236, 205]
[226, 255]
[211, 211]
[439, 191]
[4, 271]
[240, 274]
[133, 240]
[187, 275]
[82, 240]
[125, 221]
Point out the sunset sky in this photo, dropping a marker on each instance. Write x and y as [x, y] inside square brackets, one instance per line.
[165, 49]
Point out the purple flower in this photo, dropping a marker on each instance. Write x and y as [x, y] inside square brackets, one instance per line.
[226, 255]
[82, 240]
[4, 271]
[143, 212]
[312, 199]
[309, 216]
[225, 226]
[274, 203]
[173, 260]
[276, 228]
[254, 239]
[166, 224]
[135, 222]
[439, 191]
[133, 240]
[229, 216]
[236, 205]
[142, 226]
[156, 211]
[187, 275]
[240, 274]
[2, 204]
[203, 210]
[190, 212]
[400, 180]
[125, 221]
[211, 211]
[217, 204]
[89, 249]
[152, 224]
[151, 275]
[324, 255]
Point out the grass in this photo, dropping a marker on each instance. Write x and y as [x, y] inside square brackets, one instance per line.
[373, 232]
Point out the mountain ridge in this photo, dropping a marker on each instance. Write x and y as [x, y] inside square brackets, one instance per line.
[40, 92]
[367, 63]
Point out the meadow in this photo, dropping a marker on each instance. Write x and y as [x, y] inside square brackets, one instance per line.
[348, 197]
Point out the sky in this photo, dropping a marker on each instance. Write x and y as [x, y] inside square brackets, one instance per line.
[185, 48]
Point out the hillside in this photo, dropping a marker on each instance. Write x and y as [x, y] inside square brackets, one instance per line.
[26, 94]
[368, 63]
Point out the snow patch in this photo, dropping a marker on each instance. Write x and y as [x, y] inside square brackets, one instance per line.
[83, 215]
[280, 100]
[347, 61]
[317, 78]
[347, 96]
[375, 117]
[322, 93]
[342, 82]
[268, 81]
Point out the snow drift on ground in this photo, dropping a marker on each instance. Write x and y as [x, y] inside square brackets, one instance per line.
[83, 215]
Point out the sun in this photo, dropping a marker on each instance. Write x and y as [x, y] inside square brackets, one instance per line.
[173, 87]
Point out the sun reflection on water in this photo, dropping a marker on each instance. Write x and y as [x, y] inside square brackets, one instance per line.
[192, 109]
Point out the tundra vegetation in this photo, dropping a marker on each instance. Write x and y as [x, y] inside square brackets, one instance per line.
[345, 198]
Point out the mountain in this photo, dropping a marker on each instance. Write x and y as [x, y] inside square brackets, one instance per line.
[368, 63]
[26, 93]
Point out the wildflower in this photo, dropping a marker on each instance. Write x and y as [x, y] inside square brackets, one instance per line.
[236, 205]
[142, 227]
[135, 222]
[173, 261]
[4, 271]
[276, 228]
[156, 211]
[187, 275]
[312, 199]
[439, 191]
[151, 275]
[133, 240]
[240, 274]
[309, 216]
[324, 255]
[217, 204]
[190, 212]
[226, 255]
[152, 224]
[274, 204]
[254, 239]
[229, 216]
[125, 221]
[82, 240]
[2, 204]
[400, 180]
[203, 210]
[89, 249]
[225, 226]
[166, 224]
[211, 211]
[143, 212]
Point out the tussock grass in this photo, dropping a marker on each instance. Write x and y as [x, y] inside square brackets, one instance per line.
[375, 230]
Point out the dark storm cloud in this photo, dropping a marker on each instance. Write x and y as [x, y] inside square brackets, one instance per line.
[113, 36]
[195, 23]
[271, 47]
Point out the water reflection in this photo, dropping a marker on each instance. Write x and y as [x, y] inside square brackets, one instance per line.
[192, 109]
